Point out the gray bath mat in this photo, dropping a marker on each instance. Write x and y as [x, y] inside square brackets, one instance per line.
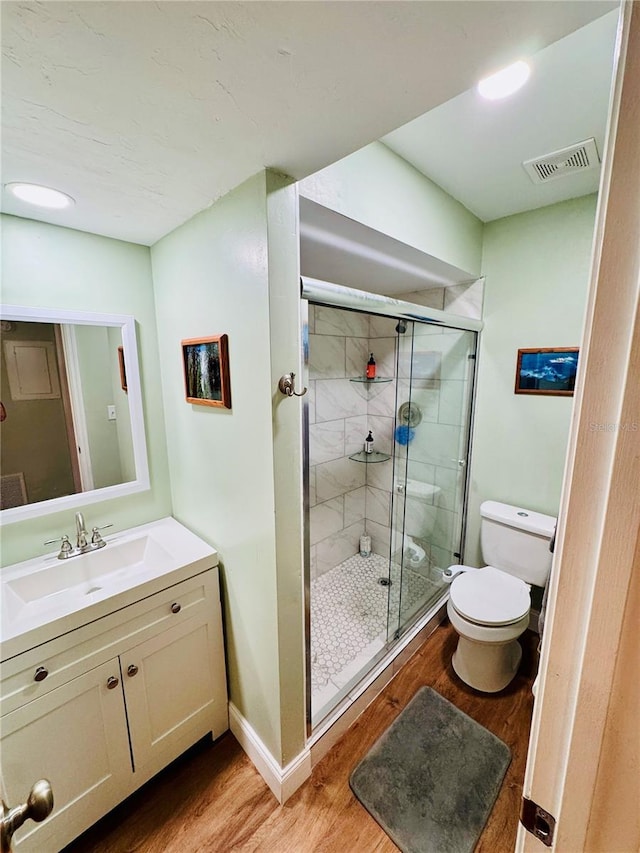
[432, 778]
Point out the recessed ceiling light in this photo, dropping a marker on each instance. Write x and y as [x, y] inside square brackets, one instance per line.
[504, 82]
[41, 196]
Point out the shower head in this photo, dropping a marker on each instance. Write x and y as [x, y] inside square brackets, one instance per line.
[401, 328]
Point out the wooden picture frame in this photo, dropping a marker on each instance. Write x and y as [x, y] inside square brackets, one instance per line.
[123, 370]
[550, 371]
[205, 363]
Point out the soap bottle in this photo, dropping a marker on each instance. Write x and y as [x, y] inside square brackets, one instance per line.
[368, 443]
[371, 368]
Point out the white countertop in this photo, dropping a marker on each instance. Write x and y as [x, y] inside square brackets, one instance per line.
[45, 597]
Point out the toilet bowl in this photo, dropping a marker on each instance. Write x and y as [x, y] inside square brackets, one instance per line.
[489, 609]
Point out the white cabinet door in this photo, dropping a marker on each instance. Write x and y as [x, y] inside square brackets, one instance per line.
[76, 737]
[171, 693]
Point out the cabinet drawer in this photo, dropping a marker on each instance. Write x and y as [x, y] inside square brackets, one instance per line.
[70, 655]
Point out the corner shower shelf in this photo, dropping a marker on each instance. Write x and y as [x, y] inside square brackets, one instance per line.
[370, 458]
[376, 381]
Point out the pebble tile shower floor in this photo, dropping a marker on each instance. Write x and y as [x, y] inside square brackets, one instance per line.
[349, 619]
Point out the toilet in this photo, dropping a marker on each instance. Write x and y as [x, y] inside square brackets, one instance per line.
[489, 607]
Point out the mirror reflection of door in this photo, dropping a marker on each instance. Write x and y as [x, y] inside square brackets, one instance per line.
[39, 452]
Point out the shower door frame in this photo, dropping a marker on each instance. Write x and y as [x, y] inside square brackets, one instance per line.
[337, 296]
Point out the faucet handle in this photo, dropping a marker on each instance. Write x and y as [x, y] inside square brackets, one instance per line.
[65, 549]
[96, 538]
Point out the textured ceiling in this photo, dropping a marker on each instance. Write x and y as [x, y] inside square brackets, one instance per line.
[147, 112]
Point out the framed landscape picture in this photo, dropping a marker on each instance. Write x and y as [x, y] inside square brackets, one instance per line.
[547, 371]
[206, 371]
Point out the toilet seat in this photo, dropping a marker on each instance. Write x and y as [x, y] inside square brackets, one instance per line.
[490, 597]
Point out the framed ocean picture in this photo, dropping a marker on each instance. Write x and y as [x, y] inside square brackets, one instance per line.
[206, 371]
[547, 371]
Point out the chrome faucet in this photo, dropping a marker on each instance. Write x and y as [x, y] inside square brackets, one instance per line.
[82, 543]
[81, 532]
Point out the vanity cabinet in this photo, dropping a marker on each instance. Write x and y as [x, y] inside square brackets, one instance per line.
[117, 700]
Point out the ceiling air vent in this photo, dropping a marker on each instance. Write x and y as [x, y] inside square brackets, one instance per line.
[566, 161]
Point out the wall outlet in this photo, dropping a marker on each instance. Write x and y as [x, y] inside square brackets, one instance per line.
[111, 413]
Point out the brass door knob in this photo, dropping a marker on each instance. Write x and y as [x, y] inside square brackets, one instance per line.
[112, 682]
[38, 807]
[41, 673]
[132, 670]
[175, 607]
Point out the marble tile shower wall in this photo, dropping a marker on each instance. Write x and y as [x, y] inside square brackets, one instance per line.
[347, 496]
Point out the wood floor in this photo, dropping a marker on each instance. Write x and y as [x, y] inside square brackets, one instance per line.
[212, 798]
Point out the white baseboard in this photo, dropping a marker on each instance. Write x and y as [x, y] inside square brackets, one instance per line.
[283, 781]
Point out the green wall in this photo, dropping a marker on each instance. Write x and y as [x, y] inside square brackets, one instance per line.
[284, 321]
[210, 277]
[537, 273]
[48, 266]
[378, 188]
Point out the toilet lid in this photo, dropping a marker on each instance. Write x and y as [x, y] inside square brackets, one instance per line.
[490, 597]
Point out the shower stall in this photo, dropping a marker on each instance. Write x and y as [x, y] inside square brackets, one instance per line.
[383, 522]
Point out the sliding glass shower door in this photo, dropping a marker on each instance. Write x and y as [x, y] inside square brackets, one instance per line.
[435, 373]
[386, 471]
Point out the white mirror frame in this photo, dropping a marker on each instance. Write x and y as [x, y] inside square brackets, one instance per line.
[134, 392]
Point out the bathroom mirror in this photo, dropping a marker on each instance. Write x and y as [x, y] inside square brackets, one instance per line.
[71, 410]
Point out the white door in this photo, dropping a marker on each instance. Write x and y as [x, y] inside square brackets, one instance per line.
[583, 767]
[76, 737]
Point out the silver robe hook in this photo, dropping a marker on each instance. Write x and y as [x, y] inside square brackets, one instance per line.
[287, 386]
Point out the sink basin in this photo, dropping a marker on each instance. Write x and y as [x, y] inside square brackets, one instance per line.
[92, 572]
[45, 597]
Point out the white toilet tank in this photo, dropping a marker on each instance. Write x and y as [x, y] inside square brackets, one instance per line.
[516, 541]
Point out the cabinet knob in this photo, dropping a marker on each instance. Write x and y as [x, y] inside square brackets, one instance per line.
[41, 673]
[112, 682]
[175, 607]
[132, 670]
